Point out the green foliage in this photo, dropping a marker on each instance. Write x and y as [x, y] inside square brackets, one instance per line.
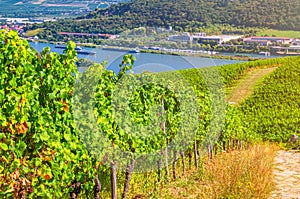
[33, 33]
[273, 110]
[189, 14]
[41, 155]
[49, 144]
[280, 33]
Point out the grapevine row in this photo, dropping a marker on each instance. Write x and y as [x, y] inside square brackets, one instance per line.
[54, 128]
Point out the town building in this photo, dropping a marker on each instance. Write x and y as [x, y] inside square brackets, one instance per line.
[18, 28]
[201, 37]
[219, 39]
[24, 21]
[266, 41]
[185, 37]
[199, 34]
[79, 35]
[296, 42]
[279, 50]
[257, 42]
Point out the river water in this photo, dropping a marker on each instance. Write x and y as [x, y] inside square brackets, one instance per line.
[144, 61]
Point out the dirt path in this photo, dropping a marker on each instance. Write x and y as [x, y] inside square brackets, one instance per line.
[287, 175]
[246, 85]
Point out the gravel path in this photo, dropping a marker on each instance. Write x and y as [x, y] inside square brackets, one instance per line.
[287, 175]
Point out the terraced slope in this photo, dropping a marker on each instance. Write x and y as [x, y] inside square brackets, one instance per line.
[273, 110]
[246, 85]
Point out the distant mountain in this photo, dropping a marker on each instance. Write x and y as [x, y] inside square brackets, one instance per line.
[186, 14]
[182, 15]
[42, 8]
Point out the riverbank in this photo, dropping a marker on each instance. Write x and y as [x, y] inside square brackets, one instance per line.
[205, 55]
[174, 52]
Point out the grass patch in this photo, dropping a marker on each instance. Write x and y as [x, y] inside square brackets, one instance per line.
[237, 174]
[32, 33]
[246, 84]
[280, 33]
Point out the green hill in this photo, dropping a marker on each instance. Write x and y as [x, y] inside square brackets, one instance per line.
[189, 15]
[273, 109]
[278, 14]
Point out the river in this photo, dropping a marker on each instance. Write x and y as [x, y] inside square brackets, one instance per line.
[144, 61]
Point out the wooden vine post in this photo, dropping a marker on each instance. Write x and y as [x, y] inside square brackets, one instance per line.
[114, 194]
[165, 133]
[128, 174]
[183, 162]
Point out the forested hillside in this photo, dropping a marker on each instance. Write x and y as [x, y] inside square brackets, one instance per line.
[187, 15]
[279, 14]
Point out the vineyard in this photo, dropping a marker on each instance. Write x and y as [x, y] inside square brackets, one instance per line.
[273, 110]
[71, 135]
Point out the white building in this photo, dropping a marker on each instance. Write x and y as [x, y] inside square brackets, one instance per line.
[185, 37]
[280, 40]
[218, 39]
[199, 34]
